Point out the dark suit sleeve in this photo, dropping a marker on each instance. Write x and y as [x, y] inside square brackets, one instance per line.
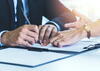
[57, 12]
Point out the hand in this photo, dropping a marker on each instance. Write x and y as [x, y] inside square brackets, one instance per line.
[22, 36]
[45, 33]
[79, 23]
[68, 37]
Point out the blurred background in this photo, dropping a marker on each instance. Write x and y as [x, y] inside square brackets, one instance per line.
[90, 8]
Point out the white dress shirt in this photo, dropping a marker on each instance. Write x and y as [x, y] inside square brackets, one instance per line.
[25, 6]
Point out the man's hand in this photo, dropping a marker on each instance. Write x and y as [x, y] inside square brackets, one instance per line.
[23, 36]
[45, 33]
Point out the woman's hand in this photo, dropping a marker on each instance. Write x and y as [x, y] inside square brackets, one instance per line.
[82, 20]
[68, 37]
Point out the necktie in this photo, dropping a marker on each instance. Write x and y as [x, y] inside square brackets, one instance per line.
[19, 14]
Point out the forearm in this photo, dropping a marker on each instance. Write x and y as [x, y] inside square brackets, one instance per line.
[56, 11]
[95, 28]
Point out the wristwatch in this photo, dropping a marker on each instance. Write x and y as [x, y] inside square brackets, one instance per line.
[88, 30]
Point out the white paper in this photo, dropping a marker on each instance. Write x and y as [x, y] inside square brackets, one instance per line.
[23, 56]
[75, 47]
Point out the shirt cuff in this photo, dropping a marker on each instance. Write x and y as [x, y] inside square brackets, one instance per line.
[54, 23]
[1, 33]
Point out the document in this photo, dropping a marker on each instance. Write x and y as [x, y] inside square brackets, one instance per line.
[78, 47]
[24, 57]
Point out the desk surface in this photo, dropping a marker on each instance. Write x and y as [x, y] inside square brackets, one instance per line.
[50, 61]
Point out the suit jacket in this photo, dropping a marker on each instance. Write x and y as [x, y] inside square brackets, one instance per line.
[51, 9]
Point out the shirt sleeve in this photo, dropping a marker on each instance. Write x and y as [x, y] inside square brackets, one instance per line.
[1, 33]
[55, 11]
[54, 23]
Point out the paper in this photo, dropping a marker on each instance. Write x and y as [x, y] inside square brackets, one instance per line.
[75, 47]
[33, 58]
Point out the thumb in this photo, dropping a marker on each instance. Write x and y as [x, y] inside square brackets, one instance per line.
[70, 25]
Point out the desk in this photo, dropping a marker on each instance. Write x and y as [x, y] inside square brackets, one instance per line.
[88, 61]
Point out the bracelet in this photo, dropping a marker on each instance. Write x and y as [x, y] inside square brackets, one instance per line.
[88, 30]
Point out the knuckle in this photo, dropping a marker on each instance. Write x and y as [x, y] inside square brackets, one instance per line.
[35, 27]
[44, 26]
[24, 26]
[23, 30]
[40, 27]
[48, 30]
[20, 34]
[60, 35]
[18, 41]
[54, 31]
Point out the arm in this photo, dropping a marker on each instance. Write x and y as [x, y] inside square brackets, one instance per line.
[72, 36]
[95, 28]
[57, 12]
[58, 15]
[25, 35]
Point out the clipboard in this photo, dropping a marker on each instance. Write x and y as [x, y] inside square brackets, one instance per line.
[18, 56]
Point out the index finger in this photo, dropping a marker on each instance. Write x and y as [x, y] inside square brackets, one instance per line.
[33, 28]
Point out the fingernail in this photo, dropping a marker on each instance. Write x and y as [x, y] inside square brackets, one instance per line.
[45, 42]
[42, 44]
[59, 45]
